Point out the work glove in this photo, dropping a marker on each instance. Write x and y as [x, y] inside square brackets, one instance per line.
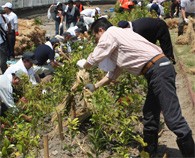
[61, 25]
[186, 20]
[16, 34]
[175, 14]
[44, 91]
[90, 87]
[81, 63]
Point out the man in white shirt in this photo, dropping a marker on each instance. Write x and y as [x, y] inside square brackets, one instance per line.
[87, 16]
[25, 64]
[13, 19]
[6, 91]
[3, 42]
[90, 12]
[187, 9]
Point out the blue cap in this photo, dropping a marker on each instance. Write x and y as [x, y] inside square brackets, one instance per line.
[123, 24]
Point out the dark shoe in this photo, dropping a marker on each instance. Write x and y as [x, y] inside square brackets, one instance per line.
[186, 146]
[152, 140]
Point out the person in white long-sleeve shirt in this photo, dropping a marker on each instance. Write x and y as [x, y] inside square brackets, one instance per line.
[13, 19]
[4, 23]
[6, 91]
[25, 64]
[87, 16]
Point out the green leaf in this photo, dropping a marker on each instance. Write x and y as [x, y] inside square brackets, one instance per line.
[4, 151]
[144, 154]
[19, 147]
[6, 142]
[11, 146]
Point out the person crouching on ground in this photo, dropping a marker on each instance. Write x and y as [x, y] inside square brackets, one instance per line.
[6, 91]
[26, 65]
[45, 56]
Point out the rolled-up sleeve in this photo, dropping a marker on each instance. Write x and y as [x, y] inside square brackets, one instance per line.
[106, 45]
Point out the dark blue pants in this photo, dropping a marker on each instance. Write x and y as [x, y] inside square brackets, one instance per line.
[3, 109]
[58, 31]
[3, 56]
[162, 97]
[182, 23]
[11, 44]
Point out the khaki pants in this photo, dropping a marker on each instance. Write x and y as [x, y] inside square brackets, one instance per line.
[43, 69]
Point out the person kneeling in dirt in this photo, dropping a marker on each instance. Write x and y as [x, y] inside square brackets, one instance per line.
[128, 51]
[153, 29]
[26, 65]
[8, 81]
[45, 56]
[67, 41]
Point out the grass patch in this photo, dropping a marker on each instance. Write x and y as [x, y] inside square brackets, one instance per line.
[190, 62]
[38, 21]
[193, 86]
[184, 55]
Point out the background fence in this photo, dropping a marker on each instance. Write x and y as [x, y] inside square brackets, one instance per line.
[35, 3]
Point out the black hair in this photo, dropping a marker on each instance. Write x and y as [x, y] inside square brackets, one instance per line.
[65, 34]
[100, 23]
[70, 2]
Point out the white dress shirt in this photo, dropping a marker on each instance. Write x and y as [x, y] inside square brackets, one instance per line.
[6, 91]
[13, 19]
[20, 66]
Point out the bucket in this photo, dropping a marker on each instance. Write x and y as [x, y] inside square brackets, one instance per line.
[111, 9]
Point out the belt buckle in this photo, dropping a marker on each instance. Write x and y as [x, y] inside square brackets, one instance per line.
[165, 63]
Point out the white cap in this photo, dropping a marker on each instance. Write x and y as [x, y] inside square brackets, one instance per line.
[98, 9]
[8, 5]
[58, 3]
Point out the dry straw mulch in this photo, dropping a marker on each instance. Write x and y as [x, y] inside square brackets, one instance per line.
[172, 23]
[30, 35]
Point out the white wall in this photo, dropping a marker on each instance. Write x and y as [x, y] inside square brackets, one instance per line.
[29, 3]
[33, 3]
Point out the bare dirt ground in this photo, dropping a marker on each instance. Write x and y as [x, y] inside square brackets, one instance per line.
[167, 141]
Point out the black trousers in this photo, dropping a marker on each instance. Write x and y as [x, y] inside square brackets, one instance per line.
[182, 23]
[3, 109]
[162, 97]
[174, 6]
[3, 56]
[11, 45]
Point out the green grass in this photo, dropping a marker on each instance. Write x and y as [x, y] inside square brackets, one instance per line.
[183, 55]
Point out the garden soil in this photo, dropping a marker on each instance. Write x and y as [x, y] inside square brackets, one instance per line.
[167, 140]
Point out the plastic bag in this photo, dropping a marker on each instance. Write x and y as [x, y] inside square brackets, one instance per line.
[49, 14]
